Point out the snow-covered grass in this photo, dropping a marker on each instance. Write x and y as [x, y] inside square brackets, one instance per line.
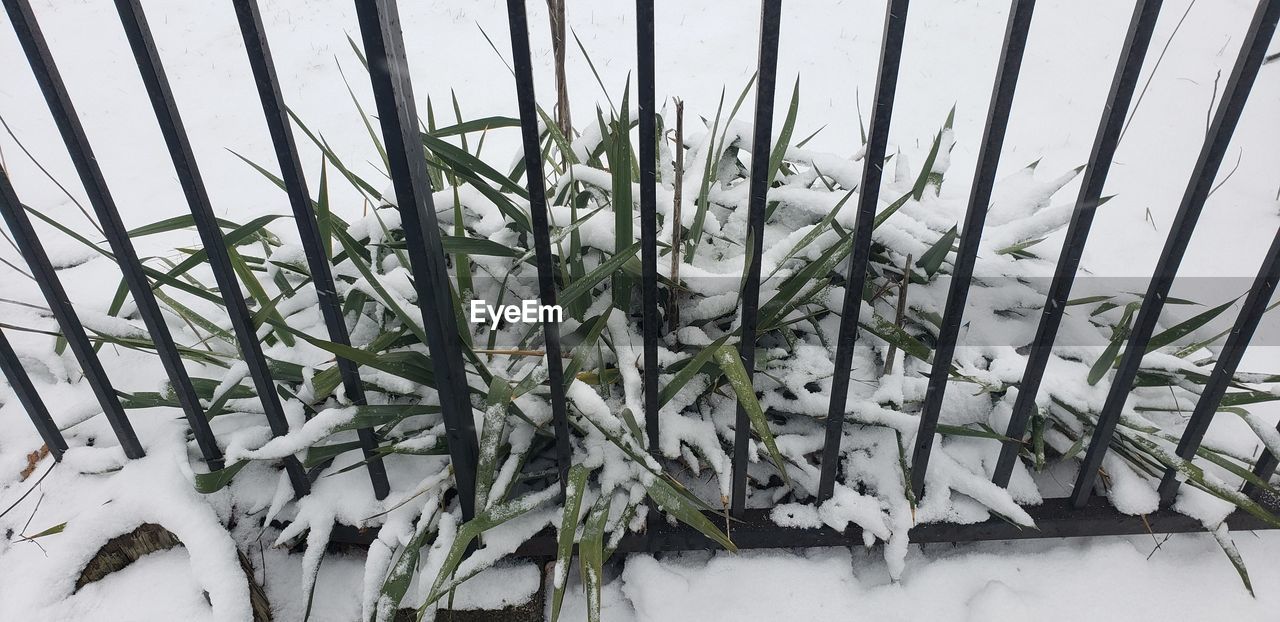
[807, 224]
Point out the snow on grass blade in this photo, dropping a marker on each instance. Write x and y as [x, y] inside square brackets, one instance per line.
[495, 413]
[214, 481]
[472, 529]
[591, 557]
[568, 528]
[731, 364]
[678, 505]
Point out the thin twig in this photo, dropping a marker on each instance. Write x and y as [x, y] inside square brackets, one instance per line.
[900, 317]
[50, 176]
[29, 490]
[515, 352]
[16, 268]
[1154, 69]
[555, 12]
[1213, 99]
[25, 304]
[8, 326]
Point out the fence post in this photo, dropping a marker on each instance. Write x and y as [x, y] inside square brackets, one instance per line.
[1015, 42]
[184, 163]
[30, 399]
[541, 229]
[1132, 54]
[295, 182]
[393, 94]
[762, 137]
[895, 26]
[1235, 94]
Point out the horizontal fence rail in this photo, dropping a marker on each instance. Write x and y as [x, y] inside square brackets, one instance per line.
[383, 45]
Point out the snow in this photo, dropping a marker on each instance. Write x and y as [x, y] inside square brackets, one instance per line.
[115, 504]
[151, 589]
[1185, 578]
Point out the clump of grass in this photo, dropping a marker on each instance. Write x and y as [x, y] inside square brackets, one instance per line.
[485, 229]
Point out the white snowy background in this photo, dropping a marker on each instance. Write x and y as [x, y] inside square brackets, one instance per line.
[832, 46]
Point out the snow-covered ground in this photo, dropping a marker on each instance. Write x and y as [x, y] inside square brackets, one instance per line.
[702, 47]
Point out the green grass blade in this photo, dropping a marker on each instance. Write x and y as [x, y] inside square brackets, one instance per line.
[729, 361]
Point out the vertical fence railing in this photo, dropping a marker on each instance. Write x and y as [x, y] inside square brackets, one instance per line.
[1132, 52]
[389, 74]
[648, 111]
[761, 144]
[393, 95]
[895, 27]
[1006, 82]
[646, 100]
[1255, 305]
[523, 66]
[24, 236]
[184, 162]
[86, 165]
[313, 246]
[30, 399]
[1252, 51]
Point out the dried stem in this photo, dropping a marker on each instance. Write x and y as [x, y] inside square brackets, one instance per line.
[555, 10]
[901, 315]
[673, 302]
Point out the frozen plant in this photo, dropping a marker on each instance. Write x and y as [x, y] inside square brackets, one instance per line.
[422, 550]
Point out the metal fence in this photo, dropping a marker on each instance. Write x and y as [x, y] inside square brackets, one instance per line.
[380, 29]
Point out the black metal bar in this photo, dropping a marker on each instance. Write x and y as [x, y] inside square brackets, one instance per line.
[64, 312]
[1255, 305]
[895, 27]
[1132, 53]
[95, 186]
[541, 229]
[1264, 469]
[1015, 42]
[761, 144]
[393, 93]
[1235, 94]
[184, 162]
[648, 111]
[295, 182]
[1055, 518]
[755, 529]
[30, 399]
[648, 215]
